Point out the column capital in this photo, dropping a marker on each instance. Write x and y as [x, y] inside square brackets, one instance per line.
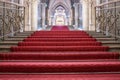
[87, 1]
[84, 1]
[34, 0]
[75, 4]
[44, 4]
[29, 2]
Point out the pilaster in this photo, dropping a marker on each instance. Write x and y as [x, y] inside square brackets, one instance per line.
[98, 24]
[43, 15]
[34, 15]
[27, 15]
[76, 6]
[85, 14]
[92, 15]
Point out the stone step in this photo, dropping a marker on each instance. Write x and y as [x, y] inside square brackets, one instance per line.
[114, 48]
[105, 39]
[93, 32]
[111, 42]
[28, 32]
[14, 39]
[4, 48]
[104, 42]
[8, 42]
[22, 34]
[28, 35]
[100, 36]
[18, 37]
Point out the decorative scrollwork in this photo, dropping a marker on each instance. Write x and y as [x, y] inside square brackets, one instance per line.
[11, 19]
[108, 18]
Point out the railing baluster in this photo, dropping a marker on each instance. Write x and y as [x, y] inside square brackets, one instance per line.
[115, 18]
[4, 13]
[108, 18]
[12, 17]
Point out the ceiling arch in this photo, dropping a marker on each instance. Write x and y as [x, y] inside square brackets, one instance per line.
[63, 4]
[60, 4]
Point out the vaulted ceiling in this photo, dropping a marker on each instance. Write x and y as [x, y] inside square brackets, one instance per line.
[53, 3]
[66, 4]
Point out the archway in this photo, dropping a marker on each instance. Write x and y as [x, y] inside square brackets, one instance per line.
[60, 16]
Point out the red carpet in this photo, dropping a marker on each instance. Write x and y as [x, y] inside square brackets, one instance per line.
[59, 43]
[60, 39]
[61, 77]
[49, 36]
[60, 28]
[59, 56]
[58, 48]
[60, 66]
[63, 52]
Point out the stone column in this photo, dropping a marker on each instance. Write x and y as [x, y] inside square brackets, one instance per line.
[80, 16]
[22, 24]
[52, 19]
[76, 15]
[39, 15]
[107, 27]
[72, 16]
[85, 13]
[34, 15]
[27, 15]
[43, 15]
[11, 27]
[98, 24]
[91, 15]
[46, 16]
[21, 2]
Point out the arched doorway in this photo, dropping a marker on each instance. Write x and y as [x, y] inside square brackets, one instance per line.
[60, 16]
[60, 20]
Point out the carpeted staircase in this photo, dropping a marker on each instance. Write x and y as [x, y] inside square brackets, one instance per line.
[60, 54]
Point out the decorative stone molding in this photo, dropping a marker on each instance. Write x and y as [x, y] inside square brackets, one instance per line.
[34, 0]
[88, 1]
[28, 2]
[75, 4]
[84, 1]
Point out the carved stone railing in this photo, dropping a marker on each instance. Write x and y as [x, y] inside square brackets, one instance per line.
[108, 18]
[11, 18]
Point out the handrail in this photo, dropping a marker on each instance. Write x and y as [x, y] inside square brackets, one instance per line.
[10, 8]
[108, 18]
[109, 8]
[111, 34]
[106, 3]
[13, 3]
[9, 34]
[12, 18]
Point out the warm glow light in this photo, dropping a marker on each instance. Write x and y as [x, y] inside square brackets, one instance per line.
[60, 20]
